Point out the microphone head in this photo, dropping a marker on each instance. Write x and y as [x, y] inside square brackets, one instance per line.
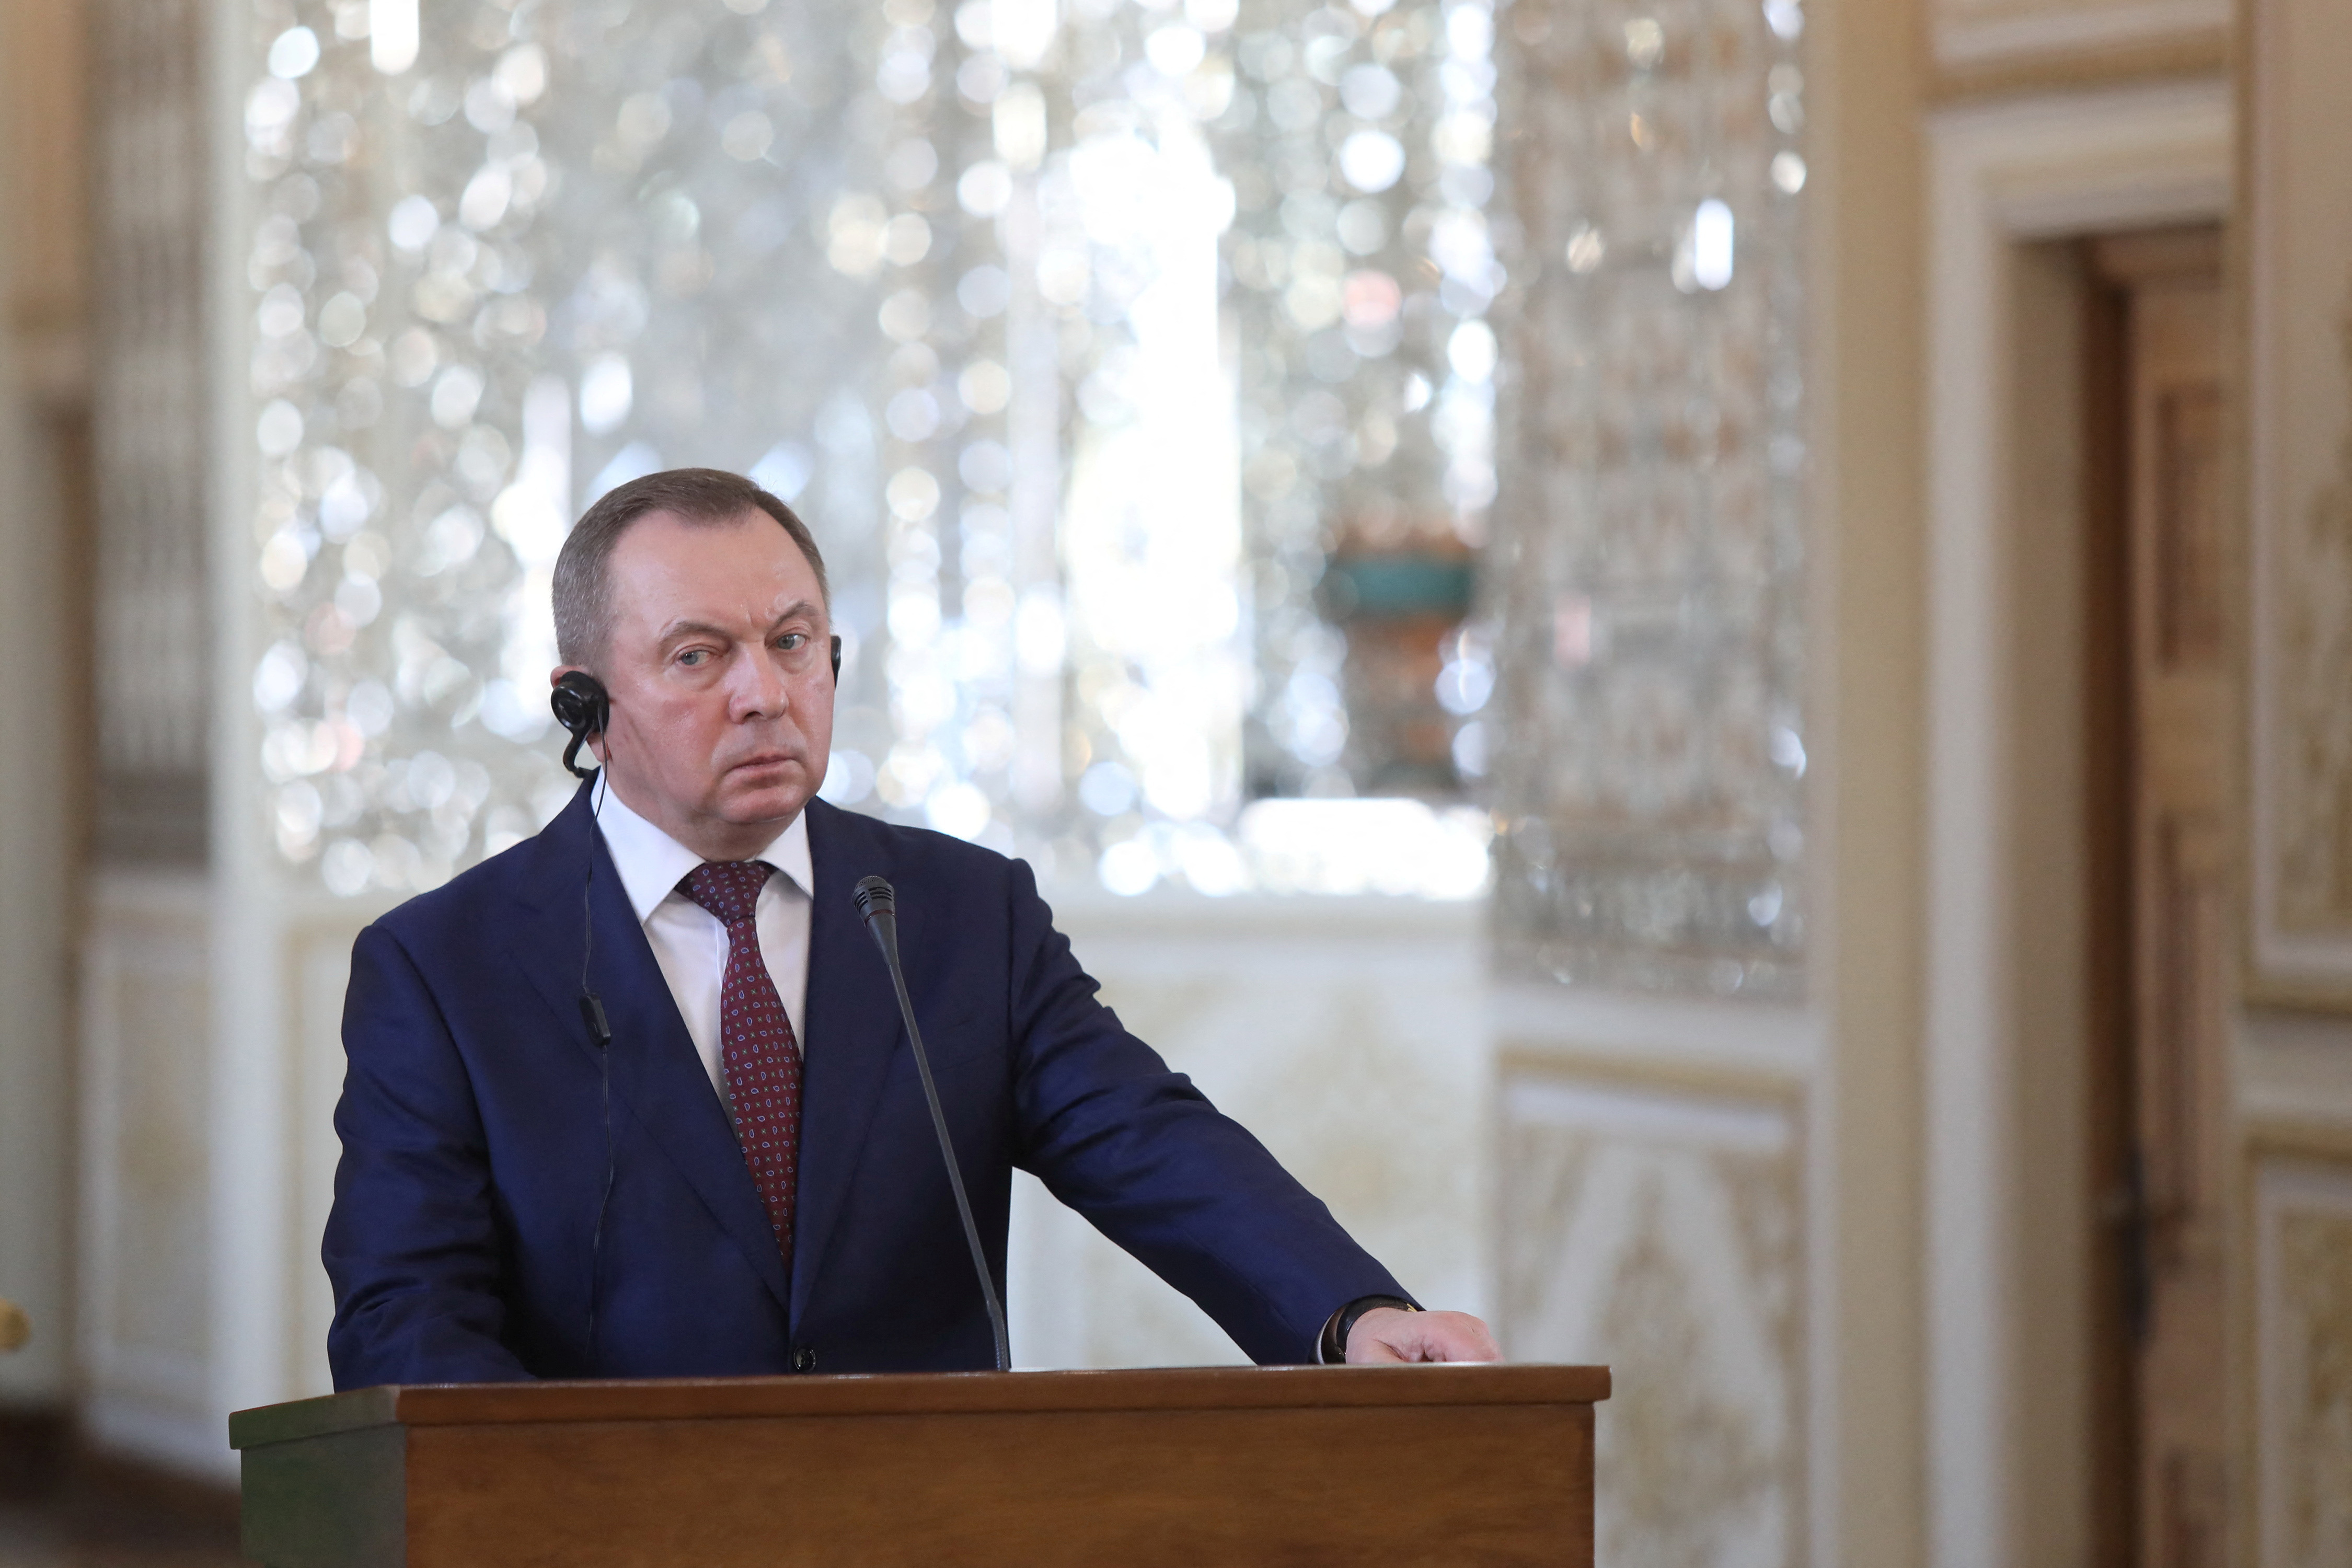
[874, 896]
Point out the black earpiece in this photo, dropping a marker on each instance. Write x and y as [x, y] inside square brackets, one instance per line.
[583, 708]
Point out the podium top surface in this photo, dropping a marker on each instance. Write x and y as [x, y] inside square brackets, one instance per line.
[904, 1393]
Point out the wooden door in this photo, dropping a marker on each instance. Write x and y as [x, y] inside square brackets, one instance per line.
[2168, 1093]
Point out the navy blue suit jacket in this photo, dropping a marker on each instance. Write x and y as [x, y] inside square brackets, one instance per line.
[474, 1144]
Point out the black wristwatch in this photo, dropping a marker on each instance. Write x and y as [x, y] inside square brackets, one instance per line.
[1335, 1338]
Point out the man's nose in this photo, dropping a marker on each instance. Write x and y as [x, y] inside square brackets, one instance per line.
[759, 690]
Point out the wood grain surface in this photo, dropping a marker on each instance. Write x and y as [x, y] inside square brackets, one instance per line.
[1394, 1466]
[1449, 1485]
[649, 1399]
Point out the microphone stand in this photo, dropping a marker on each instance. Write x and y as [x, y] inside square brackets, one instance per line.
[878, 904]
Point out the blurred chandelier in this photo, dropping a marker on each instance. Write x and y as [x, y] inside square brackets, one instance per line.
[1128, 361]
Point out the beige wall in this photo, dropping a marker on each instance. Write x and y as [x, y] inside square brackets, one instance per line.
[43, 368]
[2056, 1237]
[1870, 306]
[45, 53]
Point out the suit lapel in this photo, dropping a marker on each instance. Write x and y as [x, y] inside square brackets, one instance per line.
[853, 1029]
[656, 1071]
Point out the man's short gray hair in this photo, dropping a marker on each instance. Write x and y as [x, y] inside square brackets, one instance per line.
[708, 497]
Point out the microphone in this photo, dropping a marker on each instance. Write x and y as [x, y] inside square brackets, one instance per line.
[877, 906]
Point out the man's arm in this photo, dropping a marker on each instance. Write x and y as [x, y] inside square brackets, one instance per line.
[1142, 1153]
[411, 1244]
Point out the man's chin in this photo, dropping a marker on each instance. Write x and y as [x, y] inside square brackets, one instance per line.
[768, 795]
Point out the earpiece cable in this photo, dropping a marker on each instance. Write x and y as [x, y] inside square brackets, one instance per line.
[599, 1035]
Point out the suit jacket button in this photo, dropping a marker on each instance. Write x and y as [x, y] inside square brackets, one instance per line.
[803, 1359]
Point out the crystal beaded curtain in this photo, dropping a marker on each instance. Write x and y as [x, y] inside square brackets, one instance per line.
[1363, 271]
[952, 282]
[1649, 559]
[509, 255]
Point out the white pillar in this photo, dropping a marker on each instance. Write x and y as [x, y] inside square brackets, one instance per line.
[36, 917]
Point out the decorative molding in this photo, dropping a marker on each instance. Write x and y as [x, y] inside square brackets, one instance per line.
[2302, 1330]
[2294, 1071]
[316, 972]
[2299, 425]
[2001, 175]
[1362, 1065]
[251, 1130]
[145, 1337]
[2041, 32]
[1664, 1233]
[1760, 1043]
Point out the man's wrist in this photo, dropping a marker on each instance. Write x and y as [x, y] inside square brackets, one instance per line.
[1333, 1349]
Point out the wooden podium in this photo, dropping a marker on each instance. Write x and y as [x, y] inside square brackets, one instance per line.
[1203, 1468]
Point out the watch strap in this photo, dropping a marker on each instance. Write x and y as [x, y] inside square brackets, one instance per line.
[1335, 1347]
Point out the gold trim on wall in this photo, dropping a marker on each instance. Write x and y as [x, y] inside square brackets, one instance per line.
[1619, 1069]
[1705, 1442]
[2295, 104]
[2298, 1281]
[2201, 54]
[2282, 1138]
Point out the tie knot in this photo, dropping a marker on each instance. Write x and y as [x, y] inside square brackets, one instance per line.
[727, 889]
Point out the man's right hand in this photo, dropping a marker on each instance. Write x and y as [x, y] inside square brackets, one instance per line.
[1386, 1334]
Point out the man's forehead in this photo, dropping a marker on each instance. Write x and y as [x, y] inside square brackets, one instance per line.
[749, 539]
[667, 568]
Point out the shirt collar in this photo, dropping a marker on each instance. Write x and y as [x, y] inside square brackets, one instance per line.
[652, 863]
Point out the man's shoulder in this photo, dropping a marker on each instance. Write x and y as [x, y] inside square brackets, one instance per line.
[849, 845]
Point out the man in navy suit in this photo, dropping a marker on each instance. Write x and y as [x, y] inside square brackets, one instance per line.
[764, 1191]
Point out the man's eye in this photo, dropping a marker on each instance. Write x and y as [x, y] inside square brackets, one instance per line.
[793, 641]
[694, 658]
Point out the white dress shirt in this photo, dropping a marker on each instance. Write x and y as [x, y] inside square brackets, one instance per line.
[689, 943]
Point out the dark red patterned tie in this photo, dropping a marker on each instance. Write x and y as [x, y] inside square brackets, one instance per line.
[756, 1048]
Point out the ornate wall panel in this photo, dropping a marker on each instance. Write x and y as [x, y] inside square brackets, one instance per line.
[1662, 1232]
[2300, 521]
[1353, 1043]
[145, 1336]
[153, 173]
[1649, 555]
[314, 972]
[2303, 1330]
